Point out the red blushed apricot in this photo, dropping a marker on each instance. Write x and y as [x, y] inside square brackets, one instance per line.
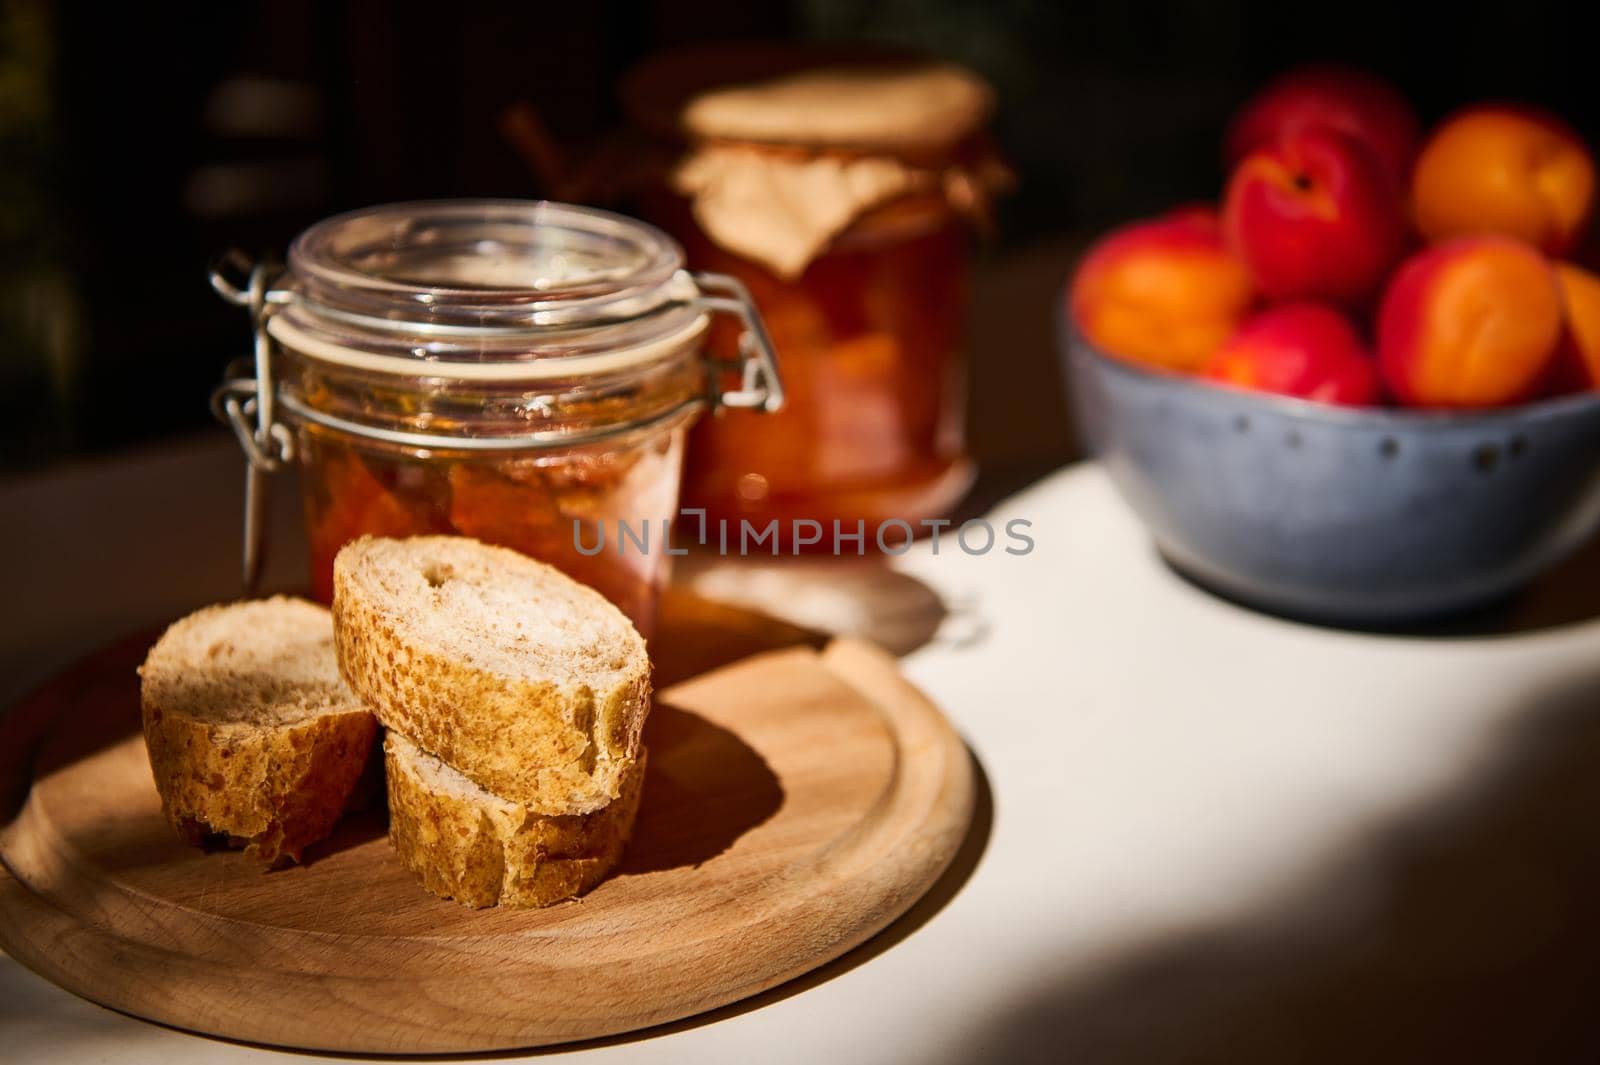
[1578, 359]
[1299, 349]
[1510, 170]
[1313, 216]
[1360, 105]
[1165, 292]
[1473, 322]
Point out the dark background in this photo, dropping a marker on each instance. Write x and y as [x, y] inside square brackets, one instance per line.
[137, 141]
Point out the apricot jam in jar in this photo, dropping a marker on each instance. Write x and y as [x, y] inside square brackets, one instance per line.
[522, 373]
[844, 190]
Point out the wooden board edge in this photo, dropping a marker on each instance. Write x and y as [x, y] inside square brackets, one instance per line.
[35, 932]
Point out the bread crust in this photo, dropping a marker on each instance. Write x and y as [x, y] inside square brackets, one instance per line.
[275, 791]
[550, 744]
[228, 766]
[483, 851]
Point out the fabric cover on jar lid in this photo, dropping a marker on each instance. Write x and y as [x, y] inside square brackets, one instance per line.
[920, 107]
[789, 146]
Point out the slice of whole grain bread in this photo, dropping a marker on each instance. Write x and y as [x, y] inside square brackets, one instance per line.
[529, 684]
[482, 850]
[254, 739]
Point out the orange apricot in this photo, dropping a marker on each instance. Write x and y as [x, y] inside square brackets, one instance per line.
[1503, 169]
[1472, 322]
[1165, 292]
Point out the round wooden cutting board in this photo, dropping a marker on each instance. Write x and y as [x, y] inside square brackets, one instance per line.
[797, 802]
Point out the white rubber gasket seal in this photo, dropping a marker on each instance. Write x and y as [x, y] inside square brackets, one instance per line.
[299, 341]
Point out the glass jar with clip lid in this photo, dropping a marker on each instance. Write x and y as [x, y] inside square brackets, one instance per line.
[520, 372]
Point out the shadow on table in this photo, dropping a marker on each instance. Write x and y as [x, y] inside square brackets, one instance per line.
[721, 609]
[704, 788]
[100, 697]
[1466, 932]
[1567, 595]
[921, 912]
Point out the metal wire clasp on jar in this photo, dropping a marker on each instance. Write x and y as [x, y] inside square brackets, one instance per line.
[509, 370]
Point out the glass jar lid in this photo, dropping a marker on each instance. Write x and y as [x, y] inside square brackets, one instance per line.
[493, 264]
[486, 289]
[492, 290]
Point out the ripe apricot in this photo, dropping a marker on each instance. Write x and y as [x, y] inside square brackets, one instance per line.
[1472, 322]
[1298, 349]
[1313, 215]
[1164, 292]
[1578, 359]
[1360, 105]
[1503, 169]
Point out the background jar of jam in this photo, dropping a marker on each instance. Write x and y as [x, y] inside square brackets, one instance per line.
[843, 190]
[522, 373]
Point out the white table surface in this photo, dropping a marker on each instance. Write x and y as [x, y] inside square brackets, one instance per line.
[1216, 835]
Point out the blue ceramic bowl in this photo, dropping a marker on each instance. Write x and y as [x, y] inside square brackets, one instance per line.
[1353, 516]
